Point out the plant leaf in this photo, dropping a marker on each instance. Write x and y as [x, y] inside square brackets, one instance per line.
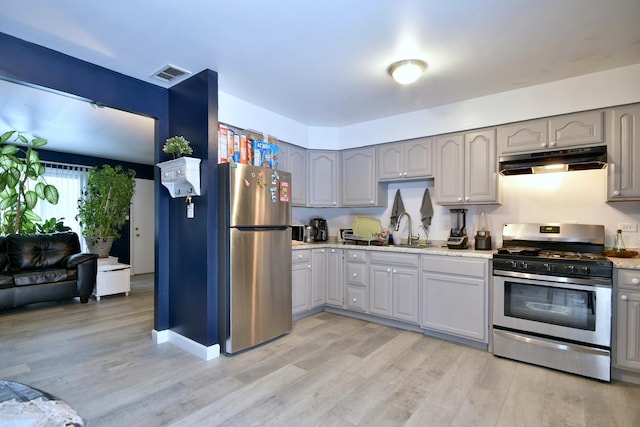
[8, 201]
[40, 190]
[30, 199]
[5, 136]
[38, 142]
[51, 194]
[31, 216]
[9, 149]
[23, 139]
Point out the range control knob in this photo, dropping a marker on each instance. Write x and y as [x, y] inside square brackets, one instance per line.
[571, 268]
[585, 270]
[524, 265]
[546, 266]
[514, 264]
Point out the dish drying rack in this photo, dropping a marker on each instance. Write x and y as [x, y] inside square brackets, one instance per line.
[369, 240]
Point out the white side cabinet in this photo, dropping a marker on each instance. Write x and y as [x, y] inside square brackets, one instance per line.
[393, 285]
[335, 278]
[627, 349]
[112, 278]
[455, 296]
[300, 280]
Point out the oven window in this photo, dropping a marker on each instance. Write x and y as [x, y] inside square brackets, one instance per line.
[549, 304]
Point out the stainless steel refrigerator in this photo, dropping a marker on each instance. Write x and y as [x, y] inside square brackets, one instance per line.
[255, 255]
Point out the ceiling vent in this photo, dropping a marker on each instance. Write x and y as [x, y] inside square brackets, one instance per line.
[169, 73]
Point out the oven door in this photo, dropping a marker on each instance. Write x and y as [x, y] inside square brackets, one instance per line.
[565, 311]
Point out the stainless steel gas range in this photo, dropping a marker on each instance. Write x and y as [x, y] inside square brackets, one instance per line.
[552, 298]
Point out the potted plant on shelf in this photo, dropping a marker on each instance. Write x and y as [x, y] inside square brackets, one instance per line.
[104, 206]
[177, 146]
[19, 170]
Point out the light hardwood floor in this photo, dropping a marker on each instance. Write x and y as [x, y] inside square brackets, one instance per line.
[330, 371]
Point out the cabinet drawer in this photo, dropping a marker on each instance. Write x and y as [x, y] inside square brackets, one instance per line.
[356, 273]
[356, 255]
[394, 258]
[629, 279]
[356, 298]
[458, 266]
[300, 255]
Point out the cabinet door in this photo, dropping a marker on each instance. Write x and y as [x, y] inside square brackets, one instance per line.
[449, 162]
[454, 305]
[359, 184]
[356, 298]
[579, 129]
[296, 163]
[318, 276]
[380, 290]
[300, 287]
[335, 278]
[405, 295]
[323, 178]
[390, 161]
[418, 158]
[628, 335]
[624, 154]
[481, 172]
[523, 137]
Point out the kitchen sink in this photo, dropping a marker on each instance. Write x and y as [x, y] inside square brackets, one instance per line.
[413, 245]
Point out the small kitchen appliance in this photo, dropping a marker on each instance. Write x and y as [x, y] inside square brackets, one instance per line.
[458, 238]
[308, 234]
[320, 229]
[482, 240]
[297, 232]
[552, 298]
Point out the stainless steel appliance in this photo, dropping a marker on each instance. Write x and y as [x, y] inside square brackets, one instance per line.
[308, 234]
[570, 159]
[482, 239]
[458, 238]
[552, 298]
[320, 229]
[255, 255]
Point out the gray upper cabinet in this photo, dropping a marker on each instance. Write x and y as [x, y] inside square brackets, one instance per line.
[323, 178]
[466, 169]
[294, 159]
[624, 153]
[571, 130]
[359, 184]
[405, 160]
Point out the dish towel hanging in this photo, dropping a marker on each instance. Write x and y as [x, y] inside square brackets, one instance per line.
[426, 209]
[397, 209]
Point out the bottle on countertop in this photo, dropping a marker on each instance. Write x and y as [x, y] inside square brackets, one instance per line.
[618, 245]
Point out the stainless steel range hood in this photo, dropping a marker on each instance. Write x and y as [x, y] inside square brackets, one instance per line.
[554, 161]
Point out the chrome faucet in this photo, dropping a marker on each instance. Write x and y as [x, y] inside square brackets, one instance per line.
[410, 237]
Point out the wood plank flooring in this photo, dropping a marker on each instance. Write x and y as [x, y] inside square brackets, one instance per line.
[330, 371]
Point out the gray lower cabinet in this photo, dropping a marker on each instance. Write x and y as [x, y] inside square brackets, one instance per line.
[300, 280]
[393, 285]
[318, 277]
[356, 280]
[335, 278]
[570, 130]
[359, 184]
[455, 296]
[624, 153]
[627, 348]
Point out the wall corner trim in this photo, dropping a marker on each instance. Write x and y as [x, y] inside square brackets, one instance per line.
[190, 346]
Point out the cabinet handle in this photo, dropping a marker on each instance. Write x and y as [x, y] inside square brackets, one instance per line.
[372, 202]
[552, 144]
[299, 256]
[399, 173]
[309, 266]
[544, 144]
[623, 297]
[321, 251]
[395, 271]
[635, 281]
[459, 199]
[333, 250]
[466, 199]
[388, 270]
[355, 256]
[355, 275]
[616, 193]
[335, 203]
[405, 174]
[355, 300]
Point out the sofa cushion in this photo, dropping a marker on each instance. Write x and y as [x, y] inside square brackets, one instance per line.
[34, 251]
[4, 254]
[52, 275]
[6, 281]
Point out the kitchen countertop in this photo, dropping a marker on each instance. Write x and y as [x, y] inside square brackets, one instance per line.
[433, 249]
[632, 263]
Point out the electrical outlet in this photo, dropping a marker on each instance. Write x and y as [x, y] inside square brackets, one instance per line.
[628, 227]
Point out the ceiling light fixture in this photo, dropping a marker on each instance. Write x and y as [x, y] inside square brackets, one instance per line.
[406, 71]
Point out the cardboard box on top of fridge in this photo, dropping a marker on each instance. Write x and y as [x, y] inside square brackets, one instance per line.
[265, 154]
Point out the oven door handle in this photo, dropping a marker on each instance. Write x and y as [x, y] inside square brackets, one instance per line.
[555, 279]
[543, 342]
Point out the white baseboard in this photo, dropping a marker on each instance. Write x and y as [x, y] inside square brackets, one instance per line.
[195, 348]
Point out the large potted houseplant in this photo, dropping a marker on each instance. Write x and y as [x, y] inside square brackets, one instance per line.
[22, 183]
[104, 206]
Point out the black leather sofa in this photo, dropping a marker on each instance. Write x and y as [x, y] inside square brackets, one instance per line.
[44, 267]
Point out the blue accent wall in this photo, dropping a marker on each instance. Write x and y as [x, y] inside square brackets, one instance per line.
[185, 297]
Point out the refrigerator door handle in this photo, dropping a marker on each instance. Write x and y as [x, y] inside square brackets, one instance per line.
[261, 228]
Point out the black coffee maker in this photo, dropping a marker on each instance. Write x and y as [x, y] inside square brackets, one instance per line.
[320, 229]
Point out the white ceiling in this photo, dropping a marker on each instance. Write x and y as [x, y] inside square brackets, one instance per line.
[323, 62]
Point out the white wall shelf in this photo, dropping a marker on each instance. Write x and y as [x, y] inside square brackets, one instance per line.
[181, 176]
